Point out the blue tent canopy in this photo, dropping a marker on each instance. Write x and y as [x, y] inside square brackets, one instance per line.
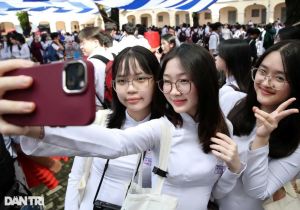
[88, 6]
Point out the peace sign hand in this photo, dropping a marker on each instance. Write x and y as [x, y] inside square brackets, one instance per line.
[267, 122]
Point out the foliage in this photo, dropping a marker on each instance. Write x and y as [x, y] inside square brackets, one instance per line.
[24, 22]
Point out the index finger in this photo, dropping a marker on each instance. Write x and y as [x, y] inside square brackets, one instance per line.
[285, 104]
[225, 138]
[11, 64]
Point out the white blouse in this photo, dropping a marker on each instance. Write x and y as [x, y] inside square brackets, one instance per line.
[116, 179]
[192, 174]
[262, 177]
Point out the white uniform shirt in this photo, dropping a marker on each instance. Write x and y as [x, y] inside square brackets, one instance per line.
[116, 179]
[192, 174]
[263, 176]
[99, 70]
[131, 41]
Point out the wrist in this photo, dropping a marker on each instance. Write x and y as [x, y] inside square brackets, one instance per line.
[259, 141]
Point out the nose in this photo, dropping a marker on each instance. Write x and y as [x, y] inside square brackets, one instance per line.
[267, 79]
[174, 90]
[130, 86]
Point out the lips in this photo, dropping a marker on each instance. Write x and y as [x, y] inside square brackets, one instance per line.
[133, 100]
[265, 91]
[178, 102]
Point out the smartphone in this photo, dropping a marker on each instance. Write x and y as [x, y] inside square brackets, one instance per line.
[64, 94]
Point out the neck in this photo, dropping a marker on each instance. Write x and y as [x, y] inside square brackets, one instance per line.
[138, 115]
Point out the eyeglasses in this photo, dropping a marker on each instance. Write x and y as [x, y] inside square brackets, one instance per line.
[182, 85]
[277, 81]
[139, 83]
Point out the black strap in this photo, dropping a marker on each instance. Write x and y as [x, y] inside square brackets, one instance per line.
[101, 58]
[159, 172]
[136, 170]
[234, 87]
[104, 60]
[99, 186]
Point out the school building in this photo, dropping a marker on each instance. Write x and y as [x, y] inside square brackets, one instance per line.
[225, 11]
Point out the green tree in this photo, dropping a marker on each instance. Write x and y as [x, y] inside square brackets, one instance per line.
[24, 22]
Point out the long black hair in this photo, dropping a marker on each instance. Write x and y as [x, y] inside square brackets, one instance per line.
[200, 65]
[237, 56]
[286, 137]
[149, 64]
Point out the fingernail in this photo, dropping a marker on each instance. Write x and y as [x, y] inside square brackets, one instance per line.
[28, 106]
[25, 80]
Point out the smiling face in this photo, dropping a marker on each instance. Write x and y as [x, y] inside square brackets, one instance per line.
[181, 103]
[135, 91]
[268, 97]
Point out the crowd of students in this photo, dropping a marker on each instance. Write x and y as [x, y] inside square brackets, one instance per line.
[235, 144]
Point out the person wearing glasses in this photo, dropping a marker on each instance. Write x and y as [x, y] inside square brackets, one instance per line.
[266, 128]
[134, 75]
[201, 159]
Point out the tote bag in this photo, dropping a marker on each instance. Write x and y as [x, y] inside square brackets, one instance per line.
[291, 201]
[101, 117]
[139, 198]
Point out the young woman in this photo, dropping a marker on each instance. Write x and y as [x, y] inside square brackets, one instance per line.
[268, 119]
[168, 42]
[95, 42]
[195, 165]
[234, 60]
[134, 76]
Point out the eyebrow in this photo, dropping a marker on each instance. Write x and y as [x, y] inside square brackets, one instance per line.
[276, 71]
[135, 74]
[181, 74]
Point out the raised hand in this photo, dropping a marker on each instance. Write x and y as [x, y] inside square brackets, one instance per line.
[226, 149]
[267, 122]
[12, 83]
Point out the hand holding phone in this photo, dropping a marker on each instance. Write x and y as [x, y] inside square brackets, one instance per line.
[63, 94]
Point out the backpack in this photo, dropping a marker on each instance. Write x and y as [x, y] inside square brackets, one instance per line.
[51, 53]
[107, 83]
[195, 36]
[182, 36]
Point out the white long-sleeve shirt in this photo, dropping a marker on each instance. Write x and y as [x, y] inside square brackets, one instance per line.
[192, 174]
[99, 70]
[116, 179]
[263, 176]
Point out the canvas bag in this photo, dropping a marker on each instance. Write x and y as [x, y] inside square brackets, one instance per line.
[291, 201]
[139, 198]
[101, 117]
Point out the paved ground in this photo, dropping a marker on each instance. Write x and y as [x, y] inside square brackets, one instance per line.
[54, 199]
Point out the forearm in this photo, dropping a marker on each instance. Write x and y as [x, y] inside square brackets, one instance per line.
[264, 176]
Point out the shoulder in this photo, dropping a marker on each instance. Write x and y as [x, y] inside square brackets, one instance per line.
[229, 99]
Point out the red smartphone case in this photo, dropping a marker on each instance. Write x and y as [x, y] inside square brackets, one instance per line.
[54, 107]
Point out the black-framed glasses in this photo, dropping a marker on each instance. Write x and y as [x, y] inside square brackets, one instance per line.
[139, 82]
[182, 85]
[276, 82]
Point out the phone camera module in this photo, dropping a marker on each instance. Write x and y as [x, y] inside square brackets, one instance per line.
[75, 77]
